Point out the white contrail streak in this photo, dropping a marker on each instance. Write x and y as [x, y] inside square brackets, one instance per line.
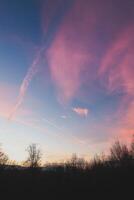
[23, 88]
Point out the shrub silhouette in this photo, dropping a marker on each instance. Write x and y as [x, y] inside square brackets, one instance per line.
[120, 153]
[132, 148]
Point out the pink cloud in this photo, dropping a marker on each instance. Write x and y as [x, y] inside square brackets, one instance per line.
[117, 63]
[70, 54]
[118, 69]
[83, 112]
[71, 59]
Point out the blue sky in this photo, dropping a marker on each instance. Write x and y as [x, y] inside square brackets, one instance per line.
[66, 76]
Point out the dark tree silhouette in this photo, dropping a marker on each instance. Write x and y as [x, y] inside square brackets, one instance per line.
[74, 179]
[3, 158]
[132, 147]
[34, 156]
[120, 153]
[73, 160]
[76, 163]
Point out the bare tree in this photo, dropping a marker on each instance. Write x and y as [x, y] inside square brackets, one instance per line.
[34, 156]
[3, 158]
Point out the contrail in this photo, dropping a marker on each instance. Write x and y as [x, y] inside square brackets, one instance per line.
[29, 76]
[54, 23]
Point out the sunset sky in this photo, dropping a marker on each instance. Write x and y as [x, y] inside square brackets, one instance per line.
[66, 76]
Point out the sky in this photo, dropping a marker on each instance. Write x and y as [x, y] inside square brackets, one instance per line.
[66, 76]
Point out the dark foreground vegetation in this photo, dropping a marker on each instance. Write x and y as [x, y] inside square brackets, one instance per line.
[102, 178]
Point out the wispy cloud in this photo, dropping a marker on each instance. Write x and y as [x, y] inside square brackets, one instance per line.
[83, 42]
[117, 63]
[83, 112]
[117, 69]
[25, 84]
[70, 53]
[53, 21]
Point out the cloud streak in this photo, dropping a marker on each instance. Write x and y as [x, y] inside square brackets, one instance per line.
[25, 84]
[55, 17]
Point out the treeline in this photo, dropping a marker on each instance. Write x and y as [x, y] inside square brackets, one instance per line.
[120, 154]
[102, 177]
